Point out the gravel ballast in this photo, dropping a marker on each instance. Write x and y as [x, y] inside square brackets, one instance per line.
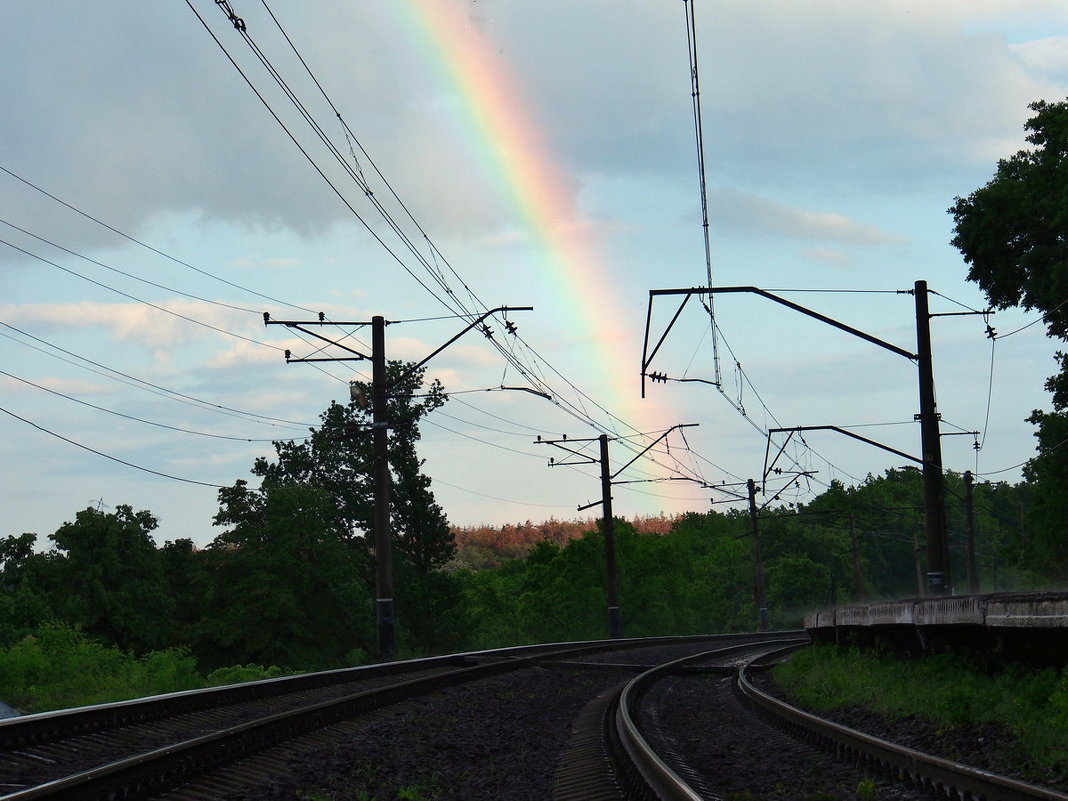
[497, 739]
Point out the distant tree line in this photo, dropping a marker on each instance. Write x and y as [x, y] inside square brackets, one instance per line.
[287, 584]
[482, 546]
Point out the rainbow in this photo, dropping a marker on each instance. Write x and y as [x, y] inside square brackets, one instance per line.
[504, 134]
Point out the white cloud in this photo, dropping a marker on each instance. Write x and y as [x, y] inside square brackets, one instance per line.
[830, 256]
[65, 386]
[1046, 57]
[836, 128]
[740, 212]
[245, 353]
[138, 323]
[829, 88]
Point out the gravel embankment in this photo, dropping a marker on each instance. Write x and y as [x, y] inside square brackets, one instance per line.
[499, 740]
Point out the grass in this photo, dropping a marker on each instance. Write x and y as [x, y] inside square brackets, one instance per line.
[59, 667]
[949, 690]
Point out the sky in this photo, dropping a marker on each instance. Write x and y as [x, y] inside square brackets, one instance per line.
[160, 190]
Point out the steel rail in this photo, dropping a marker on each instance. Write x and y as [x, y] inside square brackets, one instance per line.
[660, 778]
[953, 778]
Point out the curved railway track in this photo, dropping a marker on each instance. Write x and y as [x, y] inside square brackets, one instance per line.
[206, 744]
[659, 772]
[144, 748]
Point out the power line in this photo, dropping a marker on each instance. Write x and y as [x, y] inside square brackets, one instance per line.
[525, 370]
[524, 358]
[142, 244]
[144, 384]
[124, 273]
[497, 498]
[133, 417]
[127, 295]
[308, 157]
[108, 456]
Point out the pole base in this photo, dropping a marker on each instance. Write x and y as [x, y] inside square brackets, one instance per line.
[615, 625]
[384, 615]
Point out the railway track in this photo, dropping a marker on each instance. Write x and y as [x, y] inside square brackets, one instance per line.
[628, 743]
[146, 748]
[702, 752]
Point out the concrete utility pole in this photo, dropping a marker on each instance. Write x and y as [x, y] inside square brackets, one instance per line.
[615, 626]
[938, 579]
[916, 550]
[858, 578]
[754, 520]
[384, 610]
[969, 532]
[608, 526]
[934, 503]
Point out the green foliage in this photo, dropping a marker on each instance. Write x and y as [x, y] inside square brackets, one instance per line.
[1044, 549]
[186, 571]
[948, 689]
[1058, 703]
[59, 667]
[283, 586]
[696, 578]
[236, 674]
[291, 581]
[337, 457]
[1013, 232]
[103, 576]
[22, 607]
[113, 580]
[700, 576]
[796, 584]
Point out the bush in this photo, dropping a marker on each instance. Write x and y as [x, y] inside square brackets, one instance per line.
[236, 674]
[58, 667]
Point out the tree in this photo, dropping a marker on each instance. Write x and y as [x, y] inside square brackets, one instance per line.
[285, 587]
[1014, 233]
[337, 458]
[107, 578]
[185, 567]
[23, 605]
[331, 469]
